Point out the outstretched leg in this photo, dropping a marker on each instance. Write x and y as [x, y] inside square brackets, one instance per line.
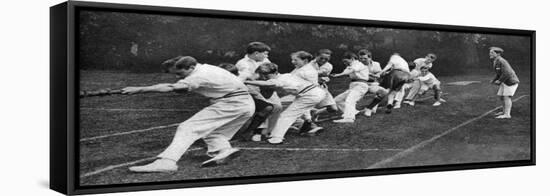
[437, 95]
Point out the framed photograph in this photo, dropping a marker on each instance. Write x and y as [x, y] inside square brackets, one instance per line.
[146, 97]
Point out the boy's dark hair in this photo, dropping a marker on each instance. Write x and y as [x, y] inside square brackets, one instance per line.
[412, 65]
[497, 50]
[364, 52]
[303, 55]
[166, 65]
[324, 51]
[229, 67]
[349, 55]
[257, 47]
[267, 68]
[185, 62]
[432, 56]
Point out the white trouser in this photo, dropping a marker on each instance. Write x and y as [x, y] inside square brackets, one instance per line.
[347, 100]
[215, 124]
[270, 122]
[328, 100]
[399, 95]
[301, 105]
[414, 90]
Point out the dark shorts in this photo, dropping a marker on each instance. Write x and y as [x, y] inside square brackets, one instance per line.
[261, 104]
[394, 80]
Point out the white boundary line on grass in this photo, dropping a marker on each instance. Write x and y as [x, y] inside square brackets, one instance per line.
[128, 132]
[412, 149]
[139, 109]
[320, 149]
[111, 167]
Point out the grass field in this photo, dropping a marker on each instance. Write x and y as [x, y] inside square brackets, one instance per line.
[119, 131]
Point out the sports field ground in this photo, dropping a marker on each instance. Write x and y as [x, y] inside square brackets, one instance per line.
[123, 130]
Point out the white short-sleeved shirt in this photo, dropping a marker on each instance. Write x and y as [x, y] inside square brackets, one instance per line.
[307, 72]
[359, 70]
[415, 73]
[247, 67]
[374, 67]
[212, 81]
[421, 62]
[324, 69]
[429, 79]
[289, 84]
[397, 62]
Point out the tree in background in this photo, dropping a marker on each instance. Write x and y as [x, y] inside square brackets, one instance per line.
[140, 42]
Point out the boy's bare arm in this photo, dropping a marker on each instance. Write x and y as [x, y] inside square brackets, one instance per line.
[346, 71]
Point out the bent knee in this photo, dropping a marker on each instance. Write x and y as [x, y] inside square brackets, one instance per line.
[266, 111]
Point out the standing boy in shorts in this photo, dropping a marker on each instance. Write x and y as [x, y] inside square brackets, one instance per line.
[506, 79]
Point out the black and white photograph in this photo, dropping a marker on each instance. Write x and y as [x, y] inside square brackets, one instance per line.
[290, 97]
[185, 96]
[274, 98]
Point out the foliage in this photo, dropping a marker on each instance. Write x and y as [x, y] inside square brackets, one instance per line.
[140, 42]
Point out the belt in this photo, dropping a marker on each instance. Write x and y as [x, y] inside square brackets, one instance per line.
[306, 89]
[232, 94]
[359, 80]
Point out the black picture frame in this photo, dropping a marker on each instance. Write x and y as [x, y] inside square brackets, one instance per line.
[64, 88]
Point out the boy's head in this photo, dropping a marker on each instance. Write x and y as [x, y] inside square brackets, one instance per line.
[365, 56]
[257, 51]
[348, 58]
[323, 56]
[300, 58]
[495, 52]
[424, 70]
[229, 67]
[169, 63]
[267, 71]
[430, 58]
[182, 66]
[324, 51]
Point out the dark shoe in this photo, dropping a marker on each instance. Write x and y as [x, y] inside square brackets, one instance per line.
[306, 127]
